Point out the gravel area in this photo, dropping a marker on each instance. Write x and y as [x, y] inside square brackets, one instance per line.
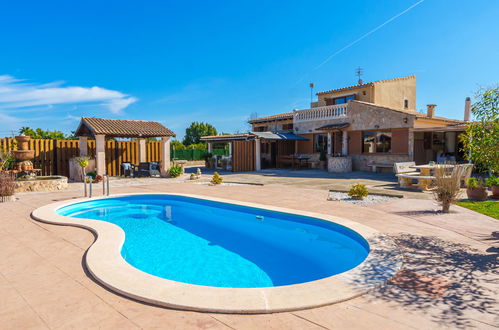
[369, 200]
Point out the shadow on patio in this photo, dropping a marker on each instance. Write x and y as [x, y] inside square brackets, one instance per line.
[450, 282]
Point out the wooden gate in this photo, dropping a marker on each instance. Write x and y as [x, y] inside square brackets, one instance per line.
[243, 156]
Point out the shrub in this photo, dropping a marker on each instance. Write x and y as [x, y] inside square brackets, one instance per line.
[358, 191]
[492, 181]
[7, 185]
[98, 178]
[475, 183]
[217, 178]
[92, 174]
[447, 187]
[175, 171]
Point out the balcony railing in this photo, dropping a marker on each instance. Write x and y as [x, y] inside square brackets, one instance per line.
[321, 113]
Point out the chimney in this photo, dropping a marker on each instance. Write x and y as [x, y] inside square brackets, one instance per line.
[430, 110]
[467, 108]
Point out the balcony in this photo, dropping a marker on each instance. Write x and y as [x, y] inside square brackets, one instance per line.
[321, 113]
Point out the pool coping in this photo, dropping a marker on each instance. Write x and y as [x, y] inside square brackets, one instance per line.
[105, 263]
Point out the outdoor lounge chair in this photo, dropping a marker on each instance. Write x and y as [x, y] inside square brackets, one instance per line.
[148, 169]
[128, 169]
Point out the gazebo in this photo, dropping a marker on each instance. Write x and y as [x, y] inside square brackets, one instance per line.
[101, 128]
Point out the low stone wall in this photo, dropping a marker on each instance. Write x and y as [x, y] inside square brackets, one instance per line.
[360, 161]
[44, 183]
[339, 164]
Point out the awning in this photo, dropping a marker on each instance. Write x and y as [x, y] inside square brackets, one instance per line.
[332, 127]
[279, 136]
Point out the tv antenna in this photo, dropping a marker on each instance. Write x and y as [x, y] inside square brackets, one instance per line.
[359, 72]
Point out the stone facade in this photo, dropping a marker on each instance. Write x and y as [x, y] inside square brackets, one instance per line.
[42, 184]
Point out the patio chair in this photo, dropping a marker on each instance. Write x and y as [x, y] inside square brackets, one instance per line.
[403, 171]
[468, 168]
[148, 169]
[128, 169]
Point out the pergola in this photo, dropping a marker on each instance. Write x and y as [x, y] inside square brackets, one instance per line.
[101, 128]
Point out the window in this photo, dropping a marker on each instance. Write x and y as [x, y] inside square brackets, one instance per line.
[343, 99]
[260, 129]
[406, 104]
[376, 142]
[287, 127]
[320, 141]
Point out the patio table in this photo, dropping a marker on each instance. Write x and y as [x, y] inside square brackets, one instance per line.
[426, 170]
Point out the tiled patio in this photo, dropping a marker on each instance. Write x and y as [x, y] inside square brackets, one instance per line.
[450, 277]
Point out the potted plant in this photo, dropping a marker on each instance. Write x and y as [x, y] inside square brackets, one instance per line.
[476, 189]
[7, 187]
[493, 183]
[358, 191]
[208, 160]
[82, 161]
[322, 160]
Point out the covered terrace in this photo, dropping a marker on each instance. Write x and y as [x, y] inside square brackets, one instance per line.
[102, 129]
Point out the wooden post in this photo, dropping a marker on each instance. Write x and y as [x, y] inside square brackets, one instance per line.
[100, 154]
[165, 155]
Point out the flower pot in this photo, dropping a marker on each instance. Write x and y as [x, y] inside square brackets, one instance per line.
[477, 194]
[495, 192]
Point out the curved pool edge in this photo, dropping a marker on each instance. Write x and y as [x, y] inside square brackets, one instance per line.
[104, 261]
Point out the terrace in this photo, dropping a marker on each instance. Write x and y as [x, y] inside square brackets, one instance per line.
[47, 285]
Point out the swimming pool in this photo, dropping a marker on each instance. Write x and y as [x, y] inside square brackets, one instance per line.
[211, 254]
[217, 244]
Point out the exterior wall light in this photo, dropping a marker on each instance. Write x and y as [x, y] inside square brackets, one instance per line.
[376, 126]
[405, 120]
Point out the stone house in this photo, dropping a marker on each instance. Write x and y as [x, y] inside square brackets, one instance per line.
[360, 125]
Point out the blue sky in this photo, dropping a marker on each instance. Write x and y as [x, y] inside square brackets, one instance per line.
[220, 61]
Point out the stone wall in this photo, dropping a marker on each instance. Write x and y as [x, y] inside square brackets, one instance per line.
[53, 183]
[360, 161]
[339, 164]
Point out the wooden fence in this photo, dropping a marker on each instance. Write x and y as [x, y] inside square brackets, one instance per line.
[52, 156]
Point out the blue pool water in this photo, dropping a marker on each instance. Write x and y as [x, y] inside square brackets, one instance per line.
[224, 245]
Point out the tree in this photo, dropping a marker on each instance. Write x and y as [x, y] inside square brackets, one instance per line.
[196, 130]
[39, 133]
[481, 139]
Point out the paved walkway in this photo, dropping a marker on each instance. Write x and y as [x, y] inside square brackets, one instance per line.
[449, 279]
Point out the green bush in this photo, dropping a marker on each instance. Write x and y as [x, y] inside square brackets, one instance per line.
[175, 171]
[358, 191]
[475, 183]
[92, 174]
[217, 178]
[492, 181]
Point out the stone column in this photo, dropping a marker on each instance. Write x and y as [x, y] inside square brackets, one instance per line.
[410, 141]
[258, 155]
[83, 146]
[344, 147]
[165, 155]
[210, 147]
[142, 150]
[329, 143]
[230, 149]
[100, 154]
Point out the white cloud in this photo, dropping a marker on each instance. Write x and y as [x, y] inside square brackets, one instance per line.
[18, 94]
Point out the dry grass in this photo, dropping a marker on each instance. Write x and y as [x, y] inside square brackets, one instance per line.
[447, 186]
